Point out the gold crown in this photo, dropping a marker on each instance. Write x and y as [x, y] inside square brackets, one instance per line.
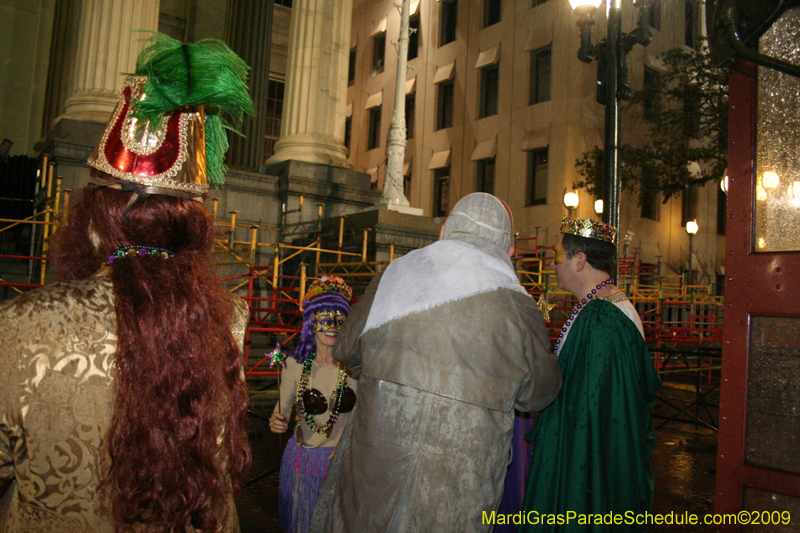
[589, 228]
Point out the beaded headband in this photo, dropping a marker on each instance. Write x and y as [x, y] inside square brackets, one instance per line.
[327, 285]
[589, 228]
[140, 251]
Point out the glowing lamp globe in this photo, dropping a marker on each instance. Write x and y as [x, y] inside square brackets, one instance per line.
[571, 200]
[588, 3]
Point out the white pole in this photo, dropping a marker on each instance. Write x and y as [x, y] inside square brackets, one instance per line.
[396, 143]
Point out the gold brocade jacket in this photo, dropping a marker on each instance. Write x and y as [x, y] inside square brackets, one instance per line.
[57, 349]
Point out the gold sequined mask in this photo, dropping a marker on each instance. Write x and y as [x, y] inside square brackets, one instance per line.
[328, 319]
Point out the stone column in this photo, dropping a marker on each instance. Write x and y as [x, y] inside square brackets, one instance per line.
[312, 128]
[106, 48]
[248, 31]
[62, 48]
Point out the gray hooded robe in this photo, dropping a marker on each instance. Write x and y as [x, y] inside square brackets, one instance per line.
[447, 343]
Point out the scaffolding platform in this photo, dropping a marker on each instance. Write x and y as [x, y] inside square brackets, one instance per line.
[270, 268]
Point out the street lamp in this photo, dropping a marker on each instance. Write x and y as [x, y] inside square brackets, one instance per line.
[691, 229]
[598, 206]
[571, 201]
[723, 183]
[612, 82]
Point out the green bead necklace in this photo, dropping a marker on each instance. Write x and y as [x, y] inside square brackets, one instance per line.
[333, 406]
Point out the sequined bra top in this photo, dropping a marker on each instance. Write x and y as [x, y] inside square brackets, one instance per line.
[316, 403]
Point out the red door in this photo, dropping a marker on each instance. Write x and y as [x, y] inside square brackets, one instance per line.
[758, 463]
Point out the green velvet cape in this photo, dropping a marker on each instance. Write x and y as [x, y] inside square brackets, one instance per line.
[592, 445]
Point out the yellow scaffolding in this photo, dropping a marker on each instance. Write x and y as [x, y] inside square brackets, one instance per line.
[51, 206]
[241, 244]
[251, 256]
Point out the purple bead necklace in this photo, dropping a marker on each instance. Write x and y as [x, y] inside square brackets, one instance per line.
[577, 309]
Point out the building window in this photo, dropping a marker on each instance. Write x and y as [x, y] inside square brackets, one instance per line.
[536, 193]
[410, 110]
[444, 107]
[378, 51]
[722, 212]
[284, 3]
[691, 35]
[654, 14]
[486, 175]
[650, 204]
[691, 116]
[688, 205]
[374, 136]
[273, 114]
[491, 12]
[413, 36]
[351, 68]
[449, 17]
[441, 192]
[652, 95]
[348, 131]
[535, 3]
[540, 75]
[490, 87]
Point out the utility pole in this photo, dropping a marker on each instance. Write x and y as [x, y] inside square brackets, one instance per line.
[612, 85]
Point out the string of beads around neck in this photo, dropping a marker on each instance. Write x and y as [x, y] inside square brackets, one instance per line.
[577, 309]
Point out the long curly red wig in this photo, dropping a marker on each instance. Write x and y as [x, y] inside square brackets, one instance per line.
[177, 431]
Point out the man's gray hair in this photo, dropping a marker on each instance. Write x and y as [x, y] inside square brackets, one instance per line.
[482, 215]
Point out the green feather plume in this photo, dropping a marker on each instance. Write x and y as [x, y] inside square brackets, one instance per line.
[206, 73]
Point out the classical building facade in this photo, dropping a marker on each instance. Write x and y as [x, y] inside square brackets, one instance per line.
[496, 101]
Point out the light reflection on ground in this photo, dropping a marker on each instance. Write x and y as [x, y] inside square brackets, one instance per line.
[684, 468]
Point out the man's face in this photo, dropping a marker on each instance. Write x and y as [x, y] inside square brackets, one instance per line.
[564, 264]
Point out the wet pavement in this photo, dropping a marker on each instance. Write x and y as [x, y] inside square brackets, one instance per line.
[684, 467]
[258, 503]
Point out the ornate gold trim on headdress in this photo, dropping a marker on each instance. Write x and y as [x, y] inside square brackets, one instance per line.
[168, 131]
[588, 228]
[132, 151]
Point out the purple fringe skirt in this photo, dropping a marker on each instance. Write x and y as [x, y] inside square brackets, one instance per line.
[302, 473]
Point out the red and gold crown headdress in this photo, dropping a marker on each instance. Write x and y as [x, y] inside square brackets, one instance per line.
[588, 228]
[167, 133]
